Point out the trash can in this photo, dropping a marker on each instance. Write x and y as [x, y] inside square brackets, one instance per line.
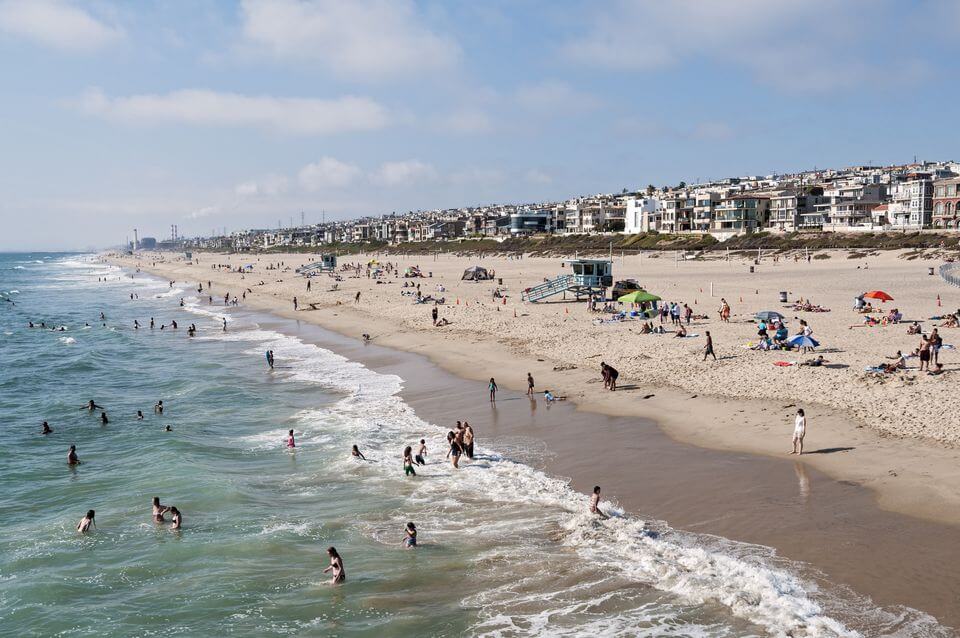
[783, 296]
[751, 268]
[930, 270]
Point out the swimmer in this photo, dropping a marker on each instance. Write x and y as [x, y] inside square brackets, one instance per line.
[139, 415]
[421, 453]
[175, 518]
[151, 323]
[72, 458]
[84, 525]
[290, 442]
[103, 418]
[46, 428]
[167, 429]
[158, 408]
[357, 453]
[91, 406]
[159, 510]
[136, 324]
[410, 537]
[595, 503]
[336, 566]
[408, 462]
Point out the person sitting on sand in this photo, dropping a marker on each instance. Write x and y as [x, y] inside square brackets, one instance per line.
[550, 397]
[937, 370]
[949, 321]
[681, 332]
[914, 328]
[899, 361]
[355, 451]
[89, 519]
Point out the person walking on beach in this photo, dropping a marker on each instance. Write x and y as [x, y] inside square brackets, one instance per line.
[336, 566]
[89, 519]
[357, 298]
[420, 458]
[708, 348]
[799, 430]
[72, 458]
[435, 314]
[492, 387]
[687, 313]
[294, 304]
[408, 462]
[529, 385]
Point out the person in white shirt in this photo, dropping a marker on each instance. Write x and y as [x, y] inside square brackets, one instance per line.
[799, 430]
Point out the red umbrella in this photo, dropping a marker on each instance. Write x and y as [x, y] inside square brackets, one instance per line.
[878, 294]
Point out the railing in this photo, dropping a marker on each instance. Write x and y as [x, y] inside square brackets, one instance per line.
[946, 271]
[547, 288]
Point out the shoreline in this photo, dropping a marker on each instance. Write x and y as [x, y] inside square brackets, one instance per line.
[909, 476]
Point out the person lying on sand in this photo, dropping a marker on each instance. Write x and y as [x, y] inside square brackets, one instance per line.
[814, 363]
[550, 397]
[937, 370]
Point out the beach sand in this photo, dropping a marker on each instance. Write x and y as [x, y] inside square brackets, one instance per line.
[896, 436]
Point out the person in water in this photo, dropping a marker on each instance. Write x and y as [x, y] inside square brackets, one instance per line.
[159, 510]
[103, 418]
[291, 443]
[175, 518]
[72, 458]
[410, 536]
[408, 462]
[46, 428]
[421, 453]
[139, 415]
[158, 408]
[467, 440]
[454, 453]
[167, 429]
[595, 503]
[336, 566]
[91, 406]
[90, 519]
[355, 451]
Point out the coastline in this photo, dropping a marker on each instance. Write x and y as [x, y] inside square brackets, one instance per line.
[909, 476]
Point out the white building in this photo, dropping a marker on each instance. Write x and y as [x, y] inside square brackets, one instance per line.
[642, 215]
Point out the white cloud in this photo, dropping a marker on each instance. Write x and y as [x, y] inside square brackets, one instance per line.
[206, 211]
[536, 176]
[327, 173]
[468, 120]
[268, 186]
[56, 24]
[403, 173]
[349, 37]
[802, 44]
[310, 116]
[552, 97]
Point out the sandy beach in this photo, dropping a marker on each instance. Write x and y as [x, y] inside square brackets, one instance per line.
[895, 434]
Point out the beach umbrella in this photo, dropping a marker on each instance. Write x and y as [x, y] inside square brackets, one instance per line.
[638, 296]
[769, 315]
[878, 294]
[803, 341]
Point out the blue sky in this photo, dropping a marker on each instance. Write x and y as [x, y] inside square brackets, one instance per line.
[115, 115]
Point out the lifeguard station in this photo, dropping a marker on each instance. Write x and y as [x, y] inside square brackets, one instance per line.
[327, 263]
[590, 277]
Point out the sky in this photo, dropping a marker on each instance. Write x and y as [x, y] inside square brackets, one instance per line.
[216, 115]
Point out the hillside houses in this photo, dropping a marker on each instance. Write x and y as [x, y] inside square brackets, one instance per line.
[857, 198]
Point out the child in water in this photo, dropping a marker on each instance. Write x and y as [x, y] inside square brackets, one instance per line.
[410, 539]
[421, 453]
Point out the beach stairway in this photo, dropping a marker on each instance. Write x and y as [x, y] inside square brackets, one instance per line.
[548, 288]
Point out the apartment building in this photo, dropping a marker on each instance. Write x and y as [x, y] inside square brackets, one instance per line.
[850, 205]
[642, 215]
[946, 203]
[677, 214]
[741, 214]
[910, 201]
[795, 208]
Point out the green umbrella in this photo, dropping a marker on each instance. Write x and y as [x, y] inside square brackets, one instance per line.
[638, 296]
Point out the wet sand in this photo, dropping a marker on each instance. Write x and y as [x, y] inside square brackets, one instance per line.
[834, 526]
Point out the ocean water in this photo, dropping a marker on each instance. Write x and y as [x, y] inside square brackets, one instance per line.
[505, 550]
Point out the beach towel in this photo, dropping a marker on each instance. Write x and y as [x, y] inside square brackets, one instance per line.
[784, 364]
[873, 369]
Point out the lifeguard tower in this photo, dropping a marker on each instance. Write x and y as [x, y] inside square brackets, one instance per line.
[327, 263]
[590, 277]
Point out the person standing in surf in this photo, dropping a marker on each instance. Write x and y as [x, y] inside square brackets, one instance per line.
[290, 442]
[72, 458]
[468, 440]
[595, 503]
[336, 566]
[159, 510]
[421, 453]
[408, 462]
[529, 385]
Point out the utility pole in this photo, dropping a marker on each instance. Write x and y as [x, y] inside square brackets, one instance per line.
[136, 240]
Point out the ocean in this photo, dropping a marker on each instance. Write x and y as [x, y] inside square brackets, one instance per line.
[504, 549]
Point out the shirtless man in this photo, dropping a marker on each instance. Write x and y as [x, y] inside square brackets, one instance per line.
[468, 440]
[595, 503]
[91, 406]
[159, 510]
[72, 458]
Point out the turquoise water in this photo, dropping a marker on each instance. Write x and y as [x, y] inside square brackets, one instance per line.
[505, 550]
